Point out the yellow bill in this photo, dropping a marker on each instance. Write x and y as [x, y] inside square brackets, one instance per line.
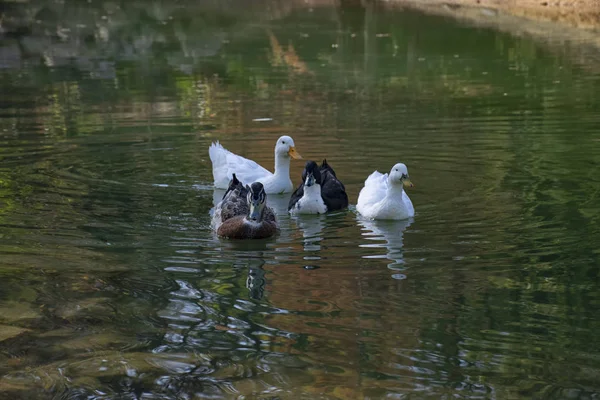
[407, 183]
[294, 154]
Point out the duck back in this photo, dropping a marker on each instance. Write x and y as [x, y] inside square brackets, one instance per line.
[332, 190]
[234, 202]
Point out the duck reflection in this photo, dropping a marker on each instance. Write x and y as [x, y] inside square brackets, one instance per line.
[390, 232]
[197, 307]
[256, 281]
[312, 227]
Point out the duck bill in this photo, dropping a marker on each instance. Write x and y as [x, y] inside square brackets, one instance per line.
[310, 180]
[255, 211]
[407, 183]
[293, 153]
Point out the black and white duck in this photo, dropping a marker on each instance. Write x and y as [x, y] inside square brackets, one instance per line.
[319, 192]
[243, 212]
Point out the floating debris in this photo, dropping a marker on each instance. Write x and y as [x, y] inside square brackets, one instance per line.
[311, 267]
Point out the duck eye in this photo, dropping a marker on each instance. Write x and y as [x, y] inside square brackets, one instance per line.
[283, 142]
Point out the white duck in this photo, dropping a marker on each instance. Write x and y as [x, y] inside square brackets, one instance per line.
[383, 196]
[225, 164]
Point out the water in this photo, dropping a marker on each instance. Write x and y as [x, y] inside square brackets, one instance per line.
[114, 287]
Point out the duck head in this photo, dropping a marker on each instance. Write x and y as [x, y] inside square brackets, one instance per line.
[285, 147]
[256, 198]
[399, 175]
[311, 174]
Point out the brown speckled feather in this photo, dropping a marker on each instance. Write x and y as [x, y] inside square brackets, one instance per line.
[233, 210]
[234, 202]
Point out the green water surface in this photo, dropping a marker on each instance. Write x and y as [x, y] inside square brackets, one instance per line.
[113, 286]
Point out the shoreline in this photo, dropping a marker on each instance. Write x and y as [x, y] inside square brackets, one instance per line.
[580, 14]
[581, 40]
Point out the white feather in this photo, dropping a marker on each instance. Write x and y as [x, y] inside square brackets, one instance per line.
[311, 202]
[374, 190]
[226, 163]
[380, 199]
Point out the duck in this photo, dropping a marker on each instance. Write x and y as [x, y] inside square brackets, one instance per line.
[226, 163]
[383, 196]
[320, 191]
[243, 212]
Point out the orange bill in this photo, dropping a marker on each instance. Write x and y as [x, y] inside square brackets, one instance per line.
[294, 154]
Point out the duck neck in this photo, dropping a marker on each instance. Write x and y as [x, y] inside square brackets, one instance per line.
[394, 190]
[312, 192]
[282, 166]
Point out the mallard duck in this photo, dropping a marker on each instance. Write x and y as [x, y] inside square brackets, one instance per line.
[319, 192]
[243, 213]
[383, 196]
[225, 164]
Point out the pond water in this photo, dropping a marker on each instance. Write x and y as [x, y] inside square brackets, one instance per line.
[113, 285]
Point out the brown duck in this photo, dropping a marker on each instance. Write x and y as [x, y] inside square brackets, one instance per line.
[243, 213]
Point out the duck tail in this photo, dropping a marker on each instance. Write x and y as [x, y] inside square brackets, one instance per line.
[234, 184]
[325, 167]
[213, 150]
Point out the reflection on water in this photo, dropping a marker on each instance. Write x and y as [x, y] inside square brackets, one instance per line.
[255, 283]
[114, 285]
[311, 227]
[390, 232]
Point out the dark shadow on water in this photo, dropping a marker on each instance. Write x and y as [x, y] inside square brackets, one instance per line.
[256, 281]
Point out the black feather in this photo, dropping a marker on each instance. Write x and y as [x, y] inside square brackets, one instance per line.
[235, 184]
[333, 191]
[296, 196]
[326, 168]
